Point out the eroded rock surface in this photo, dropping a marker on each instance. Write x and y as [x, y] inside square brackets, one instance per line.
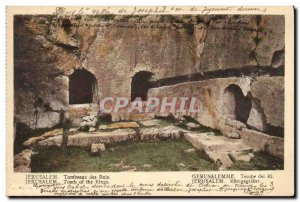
[270, 93]
[123, 125]
[158, 133]
[97, 148]
[218, 148]
[231, 128]
[114, 55]
[219, 113]
[88, 121]
[151, 122]
[231, 54]
[51, 142]
[84, 139]
[192, 126]
[263, 142]
[22, 161]
[33, 140]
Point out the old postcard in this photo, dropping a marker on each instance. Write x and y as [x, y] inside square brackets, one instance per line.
[150, 101]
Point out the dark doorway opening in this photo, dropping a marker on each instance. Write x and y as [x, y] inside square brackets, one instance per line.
[237, 105]
[140, 85]
[82, 85]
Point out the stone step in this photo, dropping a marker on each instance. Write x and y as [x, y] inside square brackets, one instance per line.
[210, 142]
[219, 148]
[86, 139]
[151, 122]
[161, 133]
[220, 158]
[120, 125]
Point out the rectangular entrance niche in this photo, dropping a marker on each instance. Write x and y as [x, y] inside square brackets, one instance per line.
[82, 86]
[140, 85]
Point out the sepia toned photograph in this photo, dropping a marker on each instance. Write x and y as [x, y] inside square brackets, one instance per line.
[149, 91]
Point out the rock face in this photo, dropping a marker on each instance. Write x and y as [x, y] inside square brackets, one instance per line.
[217, 54]
[22, 161]
[270, 93]
[216, 50]
[175, 46]
[257, 118]
[39, 65]
[48, 120]
[97, 148]
[264, 113]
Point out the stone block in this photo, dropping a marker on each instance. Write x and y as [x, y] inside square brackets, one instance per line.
[123, 125]
[33, 140]
[85, 139]
[97, 148]
[161, 133]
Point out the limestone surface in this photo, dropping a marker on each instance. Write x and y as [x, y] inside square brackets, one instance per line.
[218, 148]
[22, 169]
[84, 139]
[97, 148]
[262, 142]
[33, 140]
[123, 125]
[22, 161]
[191, 126]
[92, 129]
[160, 133]
[233, 135]
[151, 122]
[88, 121]
[114, 55]
[50, 142]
